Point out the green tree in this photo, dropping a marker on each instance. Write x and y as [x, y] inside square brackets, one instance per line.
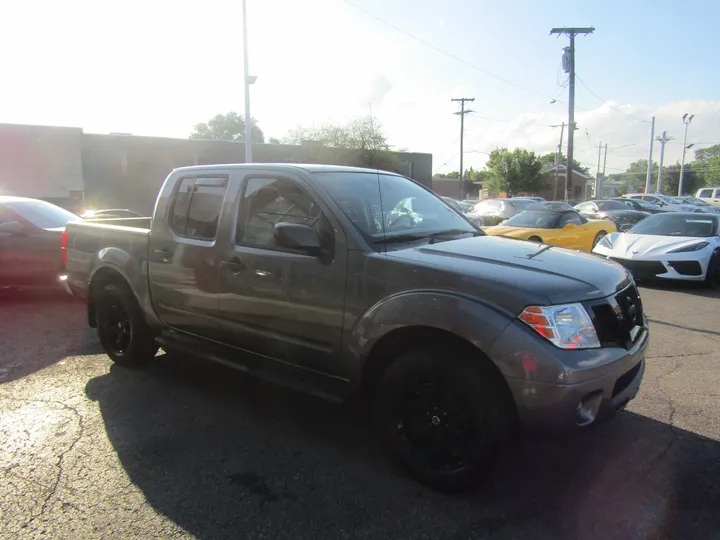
[453, 174]
[516, 171]
[671, 179]
[364, 135]
[635, 176]
[707, 165]
[226, 127]
[548, 160]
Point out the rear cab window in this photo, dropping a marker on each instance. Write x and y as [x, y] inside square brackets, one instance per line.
[197, 206]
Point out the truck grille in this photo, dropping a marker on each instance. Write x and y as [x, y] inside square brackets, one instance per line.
[619, 319]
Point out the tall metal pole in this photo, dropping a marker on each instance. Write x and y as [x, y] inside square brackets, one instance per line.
[597, 175]
[648, 182]
[602, 179]
[686, 121]
[557, 159]
[570, 68]
[462, 112]
[663, 140]
[248, 118]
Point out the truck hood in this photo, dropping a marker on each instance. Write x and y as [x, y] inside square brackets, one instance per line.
[514, 273]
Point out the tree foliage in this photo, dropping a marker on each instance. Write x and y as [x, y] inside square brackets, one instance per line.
[671, 180]
[516, 171]
[548, 160]
[707, 165]
[363, 134]
[226, 127]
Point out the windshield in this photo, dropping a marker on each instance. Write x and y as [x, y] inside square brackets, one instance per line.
[384, 205]
[611, 205]
[674, 224]
[534, 219]
[41, 214]
[694, 201]
[556, 205]
[524, 204]
[669, 200]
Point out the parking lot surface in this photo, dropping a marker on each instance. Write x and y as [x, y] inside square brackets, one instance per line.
[186, 449]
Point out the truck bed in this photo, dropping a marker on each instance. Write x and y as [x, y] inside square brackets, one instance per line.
[121, 243]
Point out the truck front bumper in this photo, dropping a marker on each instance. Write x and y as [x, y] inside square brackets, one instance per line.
[603, 390]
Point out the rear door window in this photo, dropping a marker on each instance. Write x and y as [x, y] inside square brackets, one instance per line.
[705, 193]
[197, 207]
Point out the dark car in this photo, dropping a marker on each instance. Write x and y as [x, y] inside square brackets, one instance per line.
[30, 241]
[558, 205]
[495, 211]
[110, 213]
[614, 211]
[640, 205]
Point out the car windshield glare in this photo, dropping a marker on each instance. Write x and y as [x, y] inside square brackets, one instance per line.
[675, 224]
[382, 205]
[534, 219]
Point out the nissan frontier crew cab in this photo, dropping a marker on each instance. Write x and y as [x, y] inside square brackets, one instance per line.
[325, 279]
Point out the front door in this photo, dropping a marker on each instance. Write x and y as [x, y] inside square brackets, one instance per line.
[183, 256]
[277, 302]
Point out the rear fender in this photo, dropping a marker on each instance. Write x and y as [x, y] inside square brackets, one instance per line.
[125, 266]
[476, 322]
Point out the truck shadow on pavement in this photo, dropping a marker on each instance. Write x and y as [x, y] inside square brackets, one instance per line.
[226, 456]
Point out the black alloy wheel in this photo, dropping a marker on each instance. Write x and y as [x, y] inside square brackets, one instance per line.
[115, 327]
[599, 236]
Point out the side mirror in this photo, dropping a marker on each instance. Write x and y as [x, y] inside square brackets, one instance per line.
[570, 226]
[13, 227]
[297, 236]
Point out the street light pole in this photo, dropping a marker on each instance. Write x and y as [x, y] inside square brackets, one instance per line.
[248, 118]
[686, 121]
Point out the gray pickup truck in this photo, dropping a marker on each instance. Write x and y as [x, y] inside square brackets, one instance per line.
[315, 277]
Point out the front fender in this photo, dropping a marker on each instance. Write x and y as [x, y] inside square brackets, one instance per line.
[474, 321]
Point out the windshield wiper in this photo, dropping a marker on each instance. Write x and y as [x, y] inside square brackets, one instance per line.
[402, 238]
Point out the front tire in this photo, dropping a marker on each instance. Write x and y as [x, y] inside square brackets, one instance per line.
[712, 278]
[124, 334]
[443, 416]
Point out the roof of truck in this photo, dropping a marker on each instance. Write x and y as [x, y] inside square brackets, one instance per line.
[308, 167]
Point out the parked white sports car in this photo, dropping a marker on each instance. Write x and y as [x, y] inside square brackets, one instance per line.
[673, 245]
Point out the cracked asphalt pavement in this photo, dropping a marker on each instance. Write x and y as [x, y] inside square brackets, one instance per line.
[184, 449]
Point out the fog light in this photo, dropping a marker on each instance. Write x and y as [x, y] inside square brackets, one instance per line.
[588, 408]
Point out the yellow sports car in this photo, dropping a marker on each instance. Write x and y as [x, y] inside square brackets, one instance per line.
[564, 228]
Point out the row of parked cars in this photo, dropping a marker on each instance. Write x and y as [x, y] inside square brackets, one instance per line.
[655, 236]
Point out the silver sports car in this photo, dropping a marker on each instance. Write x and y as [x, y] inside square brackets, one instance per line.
[672, 245]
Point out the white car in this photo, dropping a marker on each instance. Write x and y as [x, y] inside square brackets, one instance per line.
[710, 195]
[672, 245]
[665, 202]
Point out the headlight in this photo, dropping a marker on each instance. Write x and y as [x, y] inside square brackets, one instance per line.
[567, 326]
[691, 247]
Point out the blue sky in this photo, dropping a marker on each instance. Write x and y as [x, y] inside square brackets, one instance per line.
[157, 67]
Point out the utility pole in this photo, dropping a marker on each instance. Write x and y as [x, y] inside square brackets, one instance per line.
[686, 121]
[602, 181]
[557, 159]
[462, 112]
[597, 175]
[248, 81]
[663, 140]
[648, 182]
[569, 67]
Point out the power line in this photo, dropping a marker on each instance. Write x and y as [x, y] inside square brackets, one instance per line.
[606, 103]
[510, 121]
[449, 55]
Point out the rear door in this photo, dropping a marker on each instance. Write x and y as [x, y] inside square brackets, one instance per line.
[183, 256]
[21, 254]
[284, 304]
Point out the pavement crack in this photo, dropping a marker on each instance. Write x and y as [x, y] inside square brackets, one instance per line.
[60, 462]
[680, 355]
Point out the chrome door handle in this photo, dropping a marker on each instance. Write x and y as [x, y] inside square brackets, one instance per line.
[235, 265]
[165, 254]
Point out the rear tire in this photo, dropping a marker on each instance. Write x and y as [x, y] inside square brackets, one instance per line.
[535, 239]
[443, 416]
[124, 334]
